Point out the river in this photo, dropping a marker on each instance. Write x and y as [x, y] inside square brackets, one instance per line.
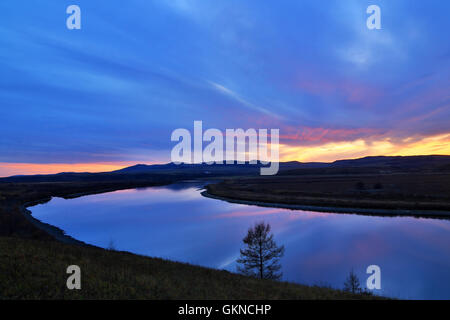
[177, 223]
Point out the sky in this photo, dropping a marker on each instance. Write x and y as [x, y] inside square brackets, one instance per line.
[110, 94]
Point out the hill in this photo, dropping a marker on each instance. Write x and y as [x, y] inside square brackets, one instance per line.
[33, 269]
[171, 171]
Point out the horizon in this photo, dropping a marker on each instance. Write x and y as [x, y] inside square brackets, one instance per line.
[50, 169]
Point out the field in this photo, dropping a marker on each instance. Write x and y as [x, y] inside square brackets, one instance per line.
[426, 193]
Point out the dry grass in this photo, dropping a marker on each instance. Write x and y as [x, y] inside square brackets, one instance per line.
[412, 191]
[34, 269]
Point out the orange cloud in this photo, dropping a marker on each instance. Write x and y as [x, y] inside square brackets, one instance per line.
[438, 144]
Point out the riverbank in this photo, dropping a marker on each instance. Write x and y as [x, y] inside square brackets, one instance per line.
[55, 232]
[415, 195]
[15, 219]
[345, 210]
[60, 234]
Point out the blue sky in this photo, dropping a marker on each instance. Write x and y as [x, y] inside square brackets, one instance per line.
[116, 89]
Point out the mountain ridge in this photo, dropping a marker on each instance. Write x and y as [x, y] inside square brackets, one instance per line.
[389, 163]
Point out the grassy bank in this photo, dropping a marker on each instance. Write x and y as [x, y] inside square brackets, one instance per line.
[35, 269]
[416, 194]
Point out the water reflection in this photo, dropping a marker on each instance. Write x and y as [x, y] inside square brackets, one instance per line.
[177, 223]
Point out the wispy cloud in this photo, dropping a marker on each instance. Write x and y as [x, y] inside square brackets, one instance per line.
[242, 101]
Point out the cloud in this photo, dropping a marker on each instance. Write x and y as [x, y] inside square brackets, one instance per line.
[242, 101]
[436, 145]
[115, 90]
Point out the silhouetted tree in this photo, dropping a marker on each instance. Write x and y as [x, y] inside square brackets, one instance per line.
[111, 245]
[260, 259]
[352, 284]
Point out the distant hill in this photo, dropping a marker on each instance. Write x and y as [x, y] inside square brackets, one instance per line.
[378, 164]
[395, 162]
[143, 168]
[432, 162]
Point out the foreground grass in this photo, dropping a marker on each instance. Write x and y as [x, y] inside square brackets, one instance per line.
[34, 269]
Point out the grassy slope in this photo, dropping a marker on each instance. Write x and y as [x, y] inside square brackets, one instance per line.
[35, 269]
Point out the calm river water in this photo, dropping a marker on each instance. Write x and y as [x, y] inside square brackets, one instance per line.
[177, 223]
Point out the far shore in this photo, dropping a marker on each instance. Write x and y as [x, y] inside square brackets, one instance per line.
[334, 209]
[344, 210]
[415, 194]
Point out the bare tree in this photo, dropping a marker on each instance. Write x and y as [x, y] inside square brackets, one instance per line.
[111, 245]
[260, 259]
[352, 284]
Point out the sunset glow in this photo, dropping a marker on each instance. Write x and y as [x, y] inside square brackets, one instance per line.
[436, 145]
[10, 169]
[326, 152]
